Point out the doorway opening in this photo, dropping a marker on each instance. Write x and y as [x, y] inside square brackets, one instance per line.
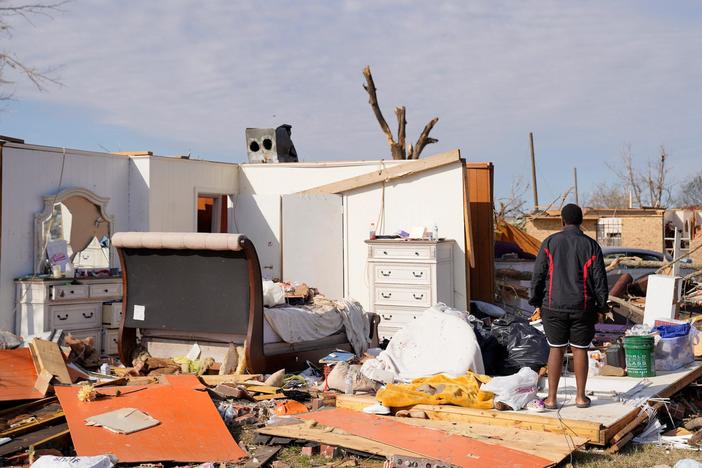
[212, 213]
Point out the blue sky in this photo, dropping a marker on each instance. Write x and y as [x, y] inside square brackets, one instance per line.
[180, 77]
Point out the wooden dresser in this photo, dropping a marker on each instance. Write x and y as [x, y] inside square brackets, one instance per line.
[76, 306]
[406, 278]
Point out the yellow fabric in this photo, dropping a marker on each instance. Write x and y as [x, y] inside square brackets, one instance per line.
[461, 391]
[506, 232]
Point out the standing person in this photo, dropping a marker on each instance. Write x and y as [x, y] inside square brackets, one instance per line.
[568, 289]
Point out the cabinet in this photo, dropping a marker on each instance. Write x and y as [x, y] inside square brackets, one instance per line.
[406, 278]
[75, 306]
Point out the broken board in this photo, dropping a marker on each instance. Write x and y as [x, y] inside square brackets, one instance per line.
[47, 356]
[455, 449]
[17, 375]
[191, 429]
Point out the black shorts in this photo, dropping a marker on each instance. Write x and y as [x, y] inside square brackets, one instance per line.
[569, 328]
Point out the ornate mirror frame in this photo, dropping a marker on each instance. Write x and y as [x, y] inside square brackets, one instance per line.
[48, 211]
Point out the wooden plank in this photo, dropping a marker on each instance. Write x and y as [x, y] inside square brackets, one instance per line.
[323, 436]
[264, 396]
[49, 357]
[481, 202]
[459, 450]
[554, 447]
[263, 389]
[467, 235]
[41, 422]
[388, 174]
[214, 380]
[262, 456]
[43, 381]
[591, 431]
[24, 441]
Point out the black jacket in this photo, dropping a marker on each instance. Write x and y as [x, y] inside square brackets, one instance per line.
[569, 273]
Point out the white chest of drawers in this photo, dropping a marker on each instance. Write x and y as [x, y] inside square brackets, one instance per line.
[74, 306]
[406, 278]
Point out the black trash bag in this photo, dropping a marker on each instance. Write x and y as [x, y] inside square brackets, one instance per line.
[492, 351]
[522, 344]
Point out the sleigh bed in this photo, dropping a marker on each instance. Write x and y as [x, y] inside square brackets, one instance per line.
[182, 288]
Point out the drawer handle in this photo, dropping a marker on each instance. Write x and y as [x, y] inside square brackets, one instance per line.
[62, 293]
[419, 297]
[65, 317]
[90, 315]
[417, 254]
[386, 295]
[385, 273]
[417, 275]
[107, 290]
[386, 317]
[385, 252]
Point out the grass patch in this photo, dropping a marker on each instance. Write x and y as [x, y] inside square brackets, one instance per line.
[633, 456]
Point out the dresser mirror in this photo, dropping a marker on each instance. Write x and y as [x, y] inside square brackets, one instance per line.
[73, 233]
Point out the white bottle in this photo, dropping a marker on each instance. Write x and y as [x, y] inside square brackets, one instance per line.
[435, 233]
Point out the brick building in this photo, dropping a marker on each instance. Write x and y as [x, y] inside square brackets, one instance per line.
[626, 227]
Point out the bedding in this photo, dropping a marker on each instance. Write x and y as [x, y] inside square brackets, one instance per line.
[297, 324]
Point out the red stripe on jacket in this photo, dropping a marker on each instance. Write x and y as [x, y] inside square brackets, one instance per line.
[550, 274]
[586, 267]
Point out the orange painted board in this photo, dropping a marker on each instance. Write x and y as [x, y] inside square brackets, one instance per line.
[431, 443]
[17, 375]
[191, 429]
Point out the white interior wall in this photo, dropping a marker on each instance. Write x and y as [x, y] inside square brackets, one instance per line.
[433, 196]
[173, 187]
[28, 174]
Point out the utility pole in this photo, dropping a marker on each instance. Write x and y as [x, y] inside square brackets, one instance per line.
[533, 171]
[575, 184]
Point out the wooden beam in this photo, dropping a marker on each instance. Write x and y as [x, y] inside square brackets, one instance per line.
[133, 153]
[387, 174]
[213, 380]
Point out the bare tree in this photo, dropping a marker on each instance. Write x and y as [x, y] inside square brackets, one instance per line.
[398, 148]
[691, 191]
[513, 207]
[608, 195]
[9, 12]
[649, 188]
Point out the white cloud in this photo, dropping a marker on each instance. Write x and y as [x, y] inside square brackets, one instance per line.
[585, 76]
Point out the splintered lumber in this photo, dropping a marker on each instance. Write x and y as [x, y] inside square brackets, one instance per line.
[264, 396]
[47, 356]
[635, 314]
[324, 435]
[214, 380]
[262, 389]
[591, 431]
[25, 441]
[387, 174]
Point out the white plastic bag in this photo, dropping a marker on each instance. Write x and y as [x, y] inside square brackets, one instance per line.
[514, 390]
[273, 294]
[51, 461]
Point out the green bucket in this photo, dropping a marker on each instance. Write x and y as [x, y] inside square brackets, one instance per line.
[640, 359]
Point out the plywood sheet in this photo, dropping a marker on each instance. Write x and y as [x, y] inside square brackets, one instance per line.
[191, 429]
[49, 357]
[459, 450]
[17, 375]
[313, 242]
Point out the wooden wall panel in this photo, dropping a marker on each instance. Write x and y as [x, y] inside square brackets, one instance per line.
[479, 178]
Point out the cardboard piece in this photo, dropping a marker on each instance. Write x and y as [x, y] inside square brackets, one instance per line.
[123, 421]
[662, 293]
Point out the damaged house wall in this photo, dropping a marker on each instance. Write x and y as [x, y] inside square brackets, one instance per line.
[28, 174]
[428, 197]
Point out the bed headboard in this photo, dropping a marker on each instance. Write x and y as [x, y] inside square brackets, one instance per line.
[188, 282]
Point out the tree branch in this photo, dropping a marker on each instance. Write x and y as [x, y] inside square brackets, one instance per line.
[424, 138]
[401, 130]
[373, 101]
